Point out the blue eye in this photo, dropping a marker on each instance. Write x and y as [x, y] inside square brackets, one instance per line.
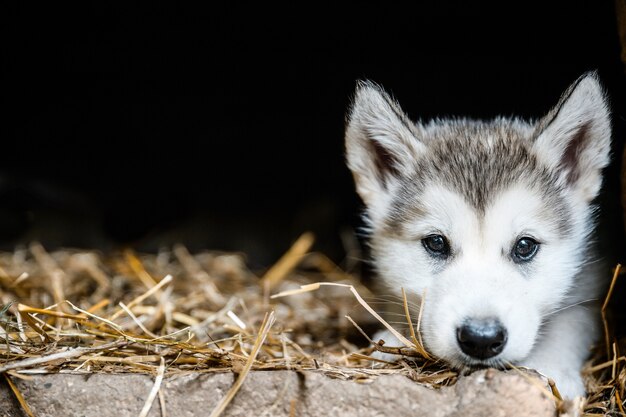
[436, 246]
[524, 250]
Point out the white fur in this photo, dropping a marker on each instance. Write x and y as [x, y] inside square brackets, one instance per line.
[538, 302]
[480, 282]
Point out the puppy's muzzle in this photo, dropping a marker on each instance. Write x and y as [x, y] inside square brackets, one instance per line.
[481, 338]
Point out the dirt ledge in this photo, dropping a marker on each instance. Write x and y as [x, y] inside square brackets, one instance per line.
[275, 393]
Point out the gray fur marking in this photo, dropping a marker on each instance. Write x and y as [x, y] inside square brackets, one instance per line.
[478, 160]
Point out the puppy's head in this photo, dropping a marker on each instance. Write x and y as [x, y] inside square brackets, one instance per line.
[490, 220]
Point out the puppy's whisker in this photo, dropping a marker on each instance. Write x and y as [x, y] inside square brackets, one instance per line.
[574, 305]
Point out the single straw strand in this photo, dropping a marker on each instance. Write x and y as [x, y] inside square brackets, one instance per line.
[19, 396]
[139, 299]
[604, 307]
[66, 354]
[268, 321]
[154, 391]
[317, 285]
[288, 261]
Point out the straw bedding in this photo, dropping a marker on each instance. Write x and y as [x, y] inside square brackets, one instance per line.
[72, 311]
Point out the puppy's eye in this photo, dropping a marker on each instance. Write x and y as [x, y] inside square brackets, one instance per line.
[437, 246]
[524, 250]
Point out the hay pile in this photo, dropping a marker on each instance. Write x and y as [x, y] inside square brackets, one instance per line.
[172, 312]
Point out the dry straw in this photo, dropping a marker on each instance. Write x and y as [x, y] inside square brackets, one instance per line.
[175, 312]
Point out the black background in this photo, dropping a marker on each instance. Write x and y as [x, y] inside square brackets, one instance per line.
[223, 128]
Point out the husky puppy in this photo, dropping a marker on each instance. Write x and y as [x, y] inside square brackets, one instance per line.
[493, 221]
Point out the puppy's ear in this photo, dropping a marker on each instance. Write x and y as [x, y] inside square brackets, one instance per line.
[381, 142]
[574, 138]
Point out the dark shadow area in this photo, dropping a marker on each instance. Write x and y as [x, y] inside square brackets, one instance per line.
[223, 128]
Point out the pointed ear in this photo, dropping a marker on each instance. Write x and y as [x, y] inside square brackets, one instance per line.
[381, 142]
[574, 138]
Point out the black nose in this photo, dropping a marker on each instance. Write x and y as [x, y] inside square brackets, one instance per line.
[481, 339]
